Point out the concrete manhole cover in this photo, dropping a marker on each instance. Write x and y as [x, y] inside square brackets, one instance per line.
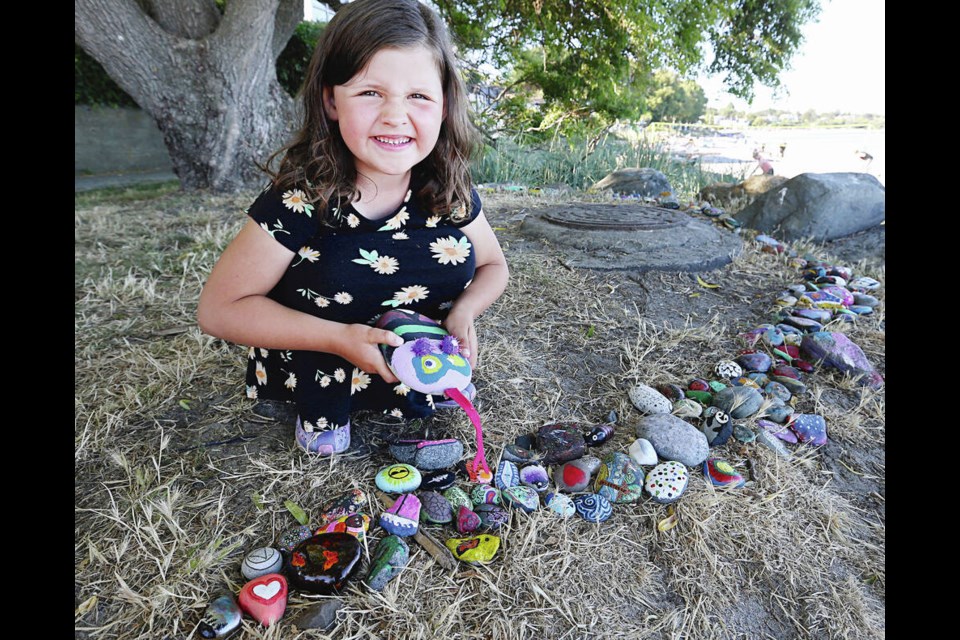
[632, 236]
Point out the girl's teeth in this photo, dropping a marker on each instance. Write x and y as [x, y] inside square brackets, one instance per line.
[394, 140]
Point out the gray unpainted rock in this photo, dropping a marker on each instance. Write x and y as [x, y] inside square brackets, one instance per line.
[819, 206]
[322, 615]
[636, 180]
[735, 196]
[674, 439]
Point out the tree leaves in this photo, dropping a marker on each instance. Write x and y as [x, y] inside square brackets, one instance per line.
[295, 510]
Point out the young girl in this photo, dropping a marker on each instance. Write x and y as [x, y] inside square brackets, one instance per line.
[371, 209]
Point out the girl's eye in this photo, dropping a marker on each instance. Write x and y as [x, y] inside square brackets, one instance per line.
[369, 93]
[419, 96]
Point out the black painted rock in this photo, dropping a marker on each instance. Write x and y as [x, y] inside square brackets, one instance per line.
[438, 480]
[323, 563]
[561, 442]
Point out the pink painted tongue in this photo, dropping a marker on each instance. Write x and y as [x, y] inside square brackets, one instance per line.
[480, 460]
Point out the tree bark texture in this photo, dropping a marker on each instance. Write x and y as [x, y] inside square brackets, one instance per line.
[209, 81]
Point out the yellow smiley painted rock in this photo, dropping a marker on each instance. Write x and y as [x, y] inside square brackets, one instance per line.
[474, 549]
[398, 478]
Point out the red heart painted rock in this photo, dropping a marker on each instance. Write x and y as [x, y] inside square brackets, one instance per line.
[265, 598]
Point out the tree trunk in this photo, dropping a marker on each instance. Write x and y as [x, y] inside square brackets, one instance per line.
[215, 97]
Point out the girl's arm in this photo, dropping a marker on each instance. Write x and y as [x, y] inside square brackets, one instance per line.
[488, 283]
[234, 306]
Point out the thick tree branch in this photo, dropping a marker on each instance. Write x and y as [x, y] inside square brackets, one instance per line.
[289, 15]
[192, 19]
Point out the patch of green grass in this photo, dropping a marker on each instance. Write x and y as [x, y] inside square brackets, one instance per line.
[125, 194]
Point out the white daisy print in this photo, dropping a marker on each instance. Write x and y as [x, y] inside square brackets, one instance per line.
[325, 381]
[291, 382]
[264, 353]
[261, 373]
[385, 265]
[343, 297]
[306, 253]
[401, 389]
[252, 392]
[406, 295]
[322, 423]
[396, 221]
[294, 200]
[353, 221]
[340, 375]
[308, 426]
[251, 353]
[400, 235]
[396, 413]
[359, 381]
[321, 302]
[432, 221]
[277, 228]
[450, 250]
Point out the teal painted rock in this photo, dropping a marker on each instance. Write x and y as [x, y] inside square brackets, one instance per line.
[475, 549]
[221, 618]
[398, 478]
[521, 497]
[560, 504]
[507, 475]
[618, 479]
[391, 556]
[667, 482]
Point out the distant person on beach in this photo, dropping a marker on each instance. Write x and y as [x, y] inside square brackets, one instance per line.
[783, 148]
[765, 166]
[866, 157]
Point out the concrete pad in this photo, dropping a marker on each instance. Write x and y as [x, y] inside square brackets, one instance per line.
[633, 237]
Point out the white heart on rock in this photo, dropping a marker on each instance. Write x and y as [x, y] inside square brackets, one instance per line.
[267, 591]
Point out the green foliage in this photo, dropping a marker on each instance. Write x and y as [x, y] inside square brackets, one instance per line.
[293, 60]
[674, 100]
[92, 85]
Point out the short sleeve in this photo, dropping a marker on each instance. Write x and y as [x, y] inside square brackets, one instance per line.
[476, 206]
[286, 216]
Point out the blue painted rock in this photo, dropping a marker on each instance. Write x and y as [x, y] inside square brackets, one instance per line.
[221, 617]
[592, 507]
[795, 386]
[475, 549]
[810, 428]
[774, 444]
[467, 521]
[820, 315]
[703, 397]
[671, 392]
[390, 557]
[573, 476]
[739, 402]
[758, 361]
[438, 480]
[865, 300]
[260, 562]
[485, 494]
[427, 455]
[767, 333]
[642, 453]
[743, 433]
[560, 442]
[599, 434]
[649, 400]
[292, 537]
[789, 330]
[402, 518]
[352, 501]
[777, 390]
[507, 475]
[721, 473]
[457, 498]
[674, 439]
[491, 516]
[755, 379]
[717, 428]
[779, 412]
[618, 479]
[716, 386]
[265, 598]
[516, 453]
[560, 504]
[526, 441]
[435, 508]
[521, 497]
[535, 476]
[861, 310]
[804, 324]
[398, 478]
[821, 300]
[356, 524]
[324, 563]
[780, 431]
[667, 482]
[687, 408]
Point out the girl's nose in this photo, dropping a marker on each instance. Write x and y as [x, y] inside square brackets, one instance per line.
[394, 112]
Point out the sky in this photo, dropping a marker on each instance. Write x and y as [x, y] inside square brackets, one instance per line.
[839, 66]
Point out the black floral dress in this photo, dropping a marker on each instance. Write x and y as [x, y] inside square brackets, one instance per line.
[351, 272]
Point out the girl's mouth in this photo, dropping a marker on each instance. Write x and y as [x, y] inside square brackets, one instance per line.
[393, 142]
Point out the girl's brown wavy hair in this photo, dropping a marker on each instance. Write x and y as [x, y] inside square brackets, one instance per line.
[318, 161]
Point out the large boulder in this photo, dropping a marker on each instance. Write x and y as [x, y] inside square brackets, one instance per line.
[734, 196]
[633, 180]
[819, 206]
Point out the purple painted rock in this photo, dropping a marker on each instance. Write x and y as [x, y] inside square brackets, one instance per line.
[839, 270]
[619, 480]
[324, 563]
[356, 524]
[822, 300]
[810, 428]
[562, 441]
[535, 476]
[438, 480]
[820, 315]
[593, 507]
[572, 477]
[403, 517]
[485, 494]
[352, 501]
[671, 392]
[648, 400]
[467, 521]
[435, 508]
[728, 369]
[781, 431]
[667, 482]
[292, 537]
[845, 296]
[507, 475]
[721, 473]
[521, 497]
[674, 439]
[717, 428]
[427, 455]
[599, 434]
[560, 504]
[758, 361]
[491, 516]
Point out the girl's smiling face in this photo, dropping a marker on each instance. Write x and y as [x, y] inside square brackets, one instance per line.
[390, 113]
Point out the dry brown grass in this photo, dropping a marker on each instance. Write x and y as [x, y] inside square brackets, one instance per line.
[177, 477]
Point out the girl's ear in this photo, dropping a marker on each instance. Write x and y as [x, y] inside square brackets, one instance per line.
[329, 104]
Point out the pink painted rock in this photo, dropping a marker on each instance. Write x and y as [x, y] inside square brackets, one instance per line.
[356, 524]
[403, 517]
[467, 521]
[265, 598]
[837, 350]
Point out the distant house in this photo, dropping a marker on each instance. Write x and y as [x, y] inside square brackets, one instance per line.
[482, 96]
[316, 12]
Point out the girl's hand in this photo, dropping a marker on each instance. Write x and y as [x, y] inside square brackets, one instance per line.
[460, 325]
[359, 345]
